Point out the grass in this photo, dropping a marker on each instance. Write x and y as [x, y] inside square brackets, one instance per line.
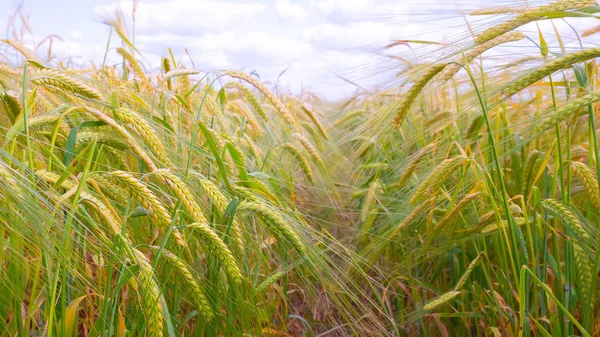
[463, 201]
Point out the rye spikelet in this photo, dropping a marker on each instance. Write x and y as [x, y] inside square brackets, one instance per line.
[310, 149]
[276, 224]
[283, 111]
[182, 192]
[587, 32]
[126, 137]
[469, 56]
[133, 64]
[409, 98]
[180, 72]
[8, 70]
[220, 201]
[566, 217]
[148, 134]
[316, 136]
[463, 279]
[440, 300]
[584, 269]
[108, 138]
[414, 163]
[564, 112]
[348, 117]
[26, 52]
[439, 175]
[147, 199]
[52, 79]
[249, 96]
[11, 105]
[315, 121]
[150, 295]
[408, 220]
[301, 160]
[587, 177]
[196, 294]
[216, 246]
[530, 16]
[454, 211]
[549, 68]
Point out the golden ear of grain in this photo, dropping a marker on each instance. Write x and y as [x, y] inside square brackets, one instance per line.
[8, 70]
[441, 300]
[217, 247]
[549, 68]
[414, 163]
[564, 112]
[587, 177]
[52, 79]
[148, 200]
[439, 175]
[103, 137]
[276, 224]
[561, 212]
[126, 136]
[316, 136]
[310, 149]
[133, 64]
[148, 134]
[180, 72]
[590, 31]
[98, 206]
[409, 98]
[183, 193]
[283, 111]
[584, 264]
[11, 105]
[315, 121]
[408, 220]
[295, 152]
[26, 52]
[530, 16]
[197, 296]
[150, 295]
[220, 201]
[470, 55]
[463, 279]
[453, 212]
[249, 96]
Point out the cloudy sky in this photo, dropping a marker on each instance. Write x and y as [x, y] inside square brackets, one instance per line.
[331, 47]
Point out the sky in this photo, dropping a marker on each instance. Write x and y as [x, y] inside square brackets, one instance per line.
[331, 47]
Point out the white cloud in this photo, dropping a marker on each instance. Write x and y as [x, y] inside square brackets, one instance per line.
[186, 17]
[353, 35]
[290, 10]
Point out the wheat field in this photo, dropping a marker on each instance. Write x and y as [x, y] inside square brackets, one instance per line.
[463, 200]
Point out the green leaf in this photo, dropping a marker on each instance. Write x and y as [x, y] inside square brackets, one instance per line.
[72, 139]
[581, 75]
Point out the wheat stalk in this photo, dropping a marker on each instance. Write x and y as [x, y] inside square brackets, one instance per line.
[148, 200]
[217, 247]
[441, 300]
[52, 79]
[276, 224]
[295, 152]
[409, 98]
[549, 68]
[283, 111]
[197, 296]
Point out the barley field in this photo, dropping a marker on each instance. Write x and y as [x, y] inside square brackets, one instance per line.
[462, 199]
